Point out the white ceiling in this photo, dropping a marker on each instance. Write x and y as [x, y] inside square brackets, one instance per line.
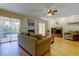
[39, 10]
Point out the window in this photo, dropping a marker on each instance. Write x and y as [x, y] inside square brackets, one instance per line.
[42, 28]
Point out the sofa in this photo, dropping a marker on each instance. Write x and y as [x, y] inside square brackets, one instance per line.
[33, 45]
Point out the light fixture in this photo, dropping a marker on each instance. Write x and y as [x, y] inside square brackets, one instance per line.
[49, 14]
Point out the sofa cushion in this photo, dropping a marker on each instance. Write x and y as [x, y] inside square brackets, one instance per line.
[36, 35]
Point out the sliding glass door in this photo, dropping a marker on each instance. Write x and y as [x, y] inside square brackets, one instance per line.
[9, 29]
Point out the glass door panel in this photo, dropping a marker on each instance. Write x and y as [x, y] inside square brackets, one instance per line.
[4, 29]
[14, 30]
[1, 30]
[17, 29]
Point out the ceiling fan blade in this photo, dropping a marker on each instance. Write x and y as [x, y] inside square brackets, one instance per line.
[55, 11]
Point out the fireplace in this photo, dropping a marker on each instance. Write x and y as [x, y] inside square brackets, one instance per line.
[31, 31]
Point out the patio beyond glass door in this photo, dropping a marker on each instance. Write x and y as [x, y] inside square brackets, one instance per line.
[9, 29]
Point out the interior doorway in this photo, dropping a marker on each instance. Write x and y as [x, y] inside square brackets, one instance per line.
[57, 32]
[9, 29]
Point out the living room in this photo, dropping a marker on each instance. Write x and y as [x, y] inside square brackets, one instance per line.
[50, 29]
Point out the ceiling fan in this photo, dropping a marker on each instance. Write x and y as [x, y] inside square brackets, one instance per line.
[51, 12]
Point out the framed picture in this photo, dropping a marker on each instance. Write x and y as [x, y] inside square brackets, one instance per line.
[31, 23]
